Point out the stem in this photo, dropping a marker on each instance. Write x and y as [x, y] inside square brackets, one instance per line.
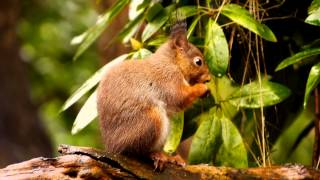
[316, 145]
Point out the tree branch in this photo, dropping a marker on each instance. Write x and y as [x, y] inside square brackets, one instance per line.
[88, 163]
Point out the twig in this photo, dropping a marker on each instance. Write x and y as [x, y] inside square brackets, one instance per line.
[316, 145]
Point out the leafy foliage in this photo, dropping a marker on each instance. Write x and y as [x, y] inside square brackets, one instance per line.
[102, 22]
[255, 95]
[207, 139]
[87, 113]
[216, 49]
[314, 13]
[91, 82]
[218, 140]
[298, 57]
[241, 16]
[232, 152]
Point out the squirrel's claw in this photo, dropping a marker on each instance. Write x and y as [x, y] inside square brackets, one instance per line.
[177, 160]
[160, 159]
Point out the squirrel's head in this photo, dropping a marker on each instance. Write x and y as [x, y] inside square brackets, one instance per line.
[188, 57]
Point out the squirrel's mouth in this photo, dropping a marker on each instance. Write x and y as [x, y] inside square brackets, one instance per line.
[205, 78]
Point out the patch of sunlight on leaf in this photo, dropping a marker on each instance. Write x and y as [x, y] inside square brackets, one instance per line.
[87, 114]
[91, 82]
[241, 16]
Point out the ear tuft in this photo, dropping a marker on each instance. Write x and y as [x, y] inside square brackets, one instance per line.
[180, 27]
[178, 35]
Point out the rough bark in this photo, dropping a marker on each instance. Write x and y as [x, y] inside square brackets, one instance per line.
[21, 133]
[88, 163]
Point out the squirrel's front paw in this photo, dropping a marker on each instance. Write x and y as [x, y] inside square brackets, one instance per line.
[201, 89]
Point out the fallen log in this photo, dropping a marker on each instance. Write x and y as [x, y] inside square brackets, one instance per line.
[88, 163]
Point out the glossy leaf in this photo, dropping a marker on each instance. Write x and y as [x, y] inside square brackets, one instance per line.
[134, 10]
[255, 95]
[220, 89]
[130, 29]
[242, 17]
[193, 25]
[314, 13]
[153, 11]
[157, 41]
[153, 26]
[175, 133]
[298, 57]
[207, 139]
[100, 26]
[232, 153]
[91, 82]
[141, 53]
[216, 49]
[314, 18]
[87, 114]
[79, 39]
[314, 6]
[313, 81]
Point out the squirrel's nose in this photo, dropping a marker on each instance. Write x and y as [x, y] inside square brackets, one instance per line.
[207, 78]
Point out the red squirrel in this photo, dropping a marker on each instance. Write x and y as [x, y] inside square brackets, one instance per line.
[136, 98]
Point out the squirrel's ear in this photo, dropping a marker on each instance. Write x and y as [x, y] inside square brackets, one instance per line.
[180, 42]
[179, 36]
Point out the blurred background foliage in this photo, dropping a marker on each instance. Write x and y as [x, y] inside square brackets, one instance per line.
[45, 29]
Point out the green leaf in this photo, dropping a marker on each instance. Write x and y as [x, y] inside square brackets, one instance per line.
[87, 114]
[232, 153]
[159, 40]
[314, 18]
[193, 25]
[134, 10]
[255, 95]
[141, 54]
[242, 17]
[102, 22]
[283, 147]
[314, 6]
[207, 139]
[91, 82]
[314, 13]
[153, 11]
[130, 29]
[220, 89]
[79, 39]
[298, 57]
[313, 81]
[153, 26]
[216, 49]
[175, 134]
[184, 12]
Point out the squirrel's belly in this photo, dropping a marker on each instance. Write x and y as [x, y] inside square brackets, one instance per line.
[165, 125]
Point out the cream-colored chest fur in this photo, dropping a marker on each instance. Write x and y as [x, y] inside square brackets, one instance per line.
[165, 126]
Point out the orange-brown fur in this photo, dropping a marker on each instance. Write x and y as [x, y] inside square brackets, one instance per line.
[135, 96]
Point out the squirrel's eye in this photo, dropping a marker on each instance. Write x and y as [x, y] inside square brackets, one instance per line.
[197, 61]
